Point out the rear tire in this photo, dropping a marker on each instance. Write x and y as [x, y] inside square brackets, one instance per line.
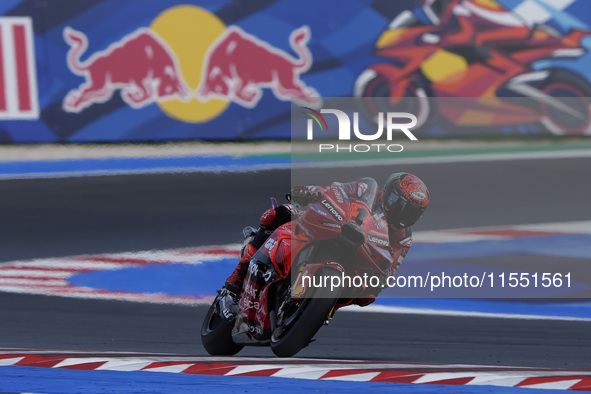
[216, 334]
[313, 312]
[375, 88]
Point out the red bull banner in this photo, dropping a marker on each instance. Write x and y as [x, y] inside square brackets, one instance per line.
[148, 70]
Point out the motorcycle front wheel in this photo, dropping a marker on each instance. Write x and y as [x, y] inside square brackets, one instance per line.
[216, 334]
[298, 322]
[573, 92]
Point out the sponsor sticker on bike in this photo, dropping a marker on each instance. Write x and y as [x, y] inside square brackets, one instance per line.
[270, 244]
[331, 225]
[406, 242]
[378, 240]
[332, 210]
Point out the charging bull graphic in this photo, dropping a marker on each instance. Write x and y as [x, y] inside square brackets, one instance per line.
[238, 66]
[140, 65]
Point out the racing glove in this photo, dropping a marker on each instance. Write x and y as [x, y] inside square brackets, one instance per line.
[269, 221]
[304, 195]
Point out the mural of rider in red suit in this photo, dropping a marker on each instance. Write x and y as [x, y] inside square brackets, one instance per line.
[480, 23]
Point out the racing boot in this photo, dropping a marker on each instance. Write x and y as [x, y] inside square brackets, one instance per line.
[234, 281]
[253, 240]
[228, 303]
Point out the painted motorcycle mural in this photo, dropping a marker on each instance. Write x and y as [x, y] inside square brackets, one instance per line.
[477, 49]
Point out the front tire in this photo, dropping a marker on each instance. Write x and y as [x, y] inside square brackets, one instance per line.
[575, 92]
[298, 329]
[216, 334]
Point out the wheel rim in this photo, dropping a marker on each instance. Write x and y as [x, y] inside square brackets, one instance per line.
[559, 123]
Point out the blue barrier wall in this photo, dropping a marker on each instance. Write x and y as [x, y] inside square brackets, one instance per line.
[152, 70]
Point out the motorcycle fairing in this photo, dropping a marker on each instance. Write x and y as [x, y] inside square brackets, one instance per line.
[338, 231]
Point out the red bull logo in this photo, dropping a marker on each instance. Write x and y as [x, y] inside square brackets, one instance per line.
[141, 66]
[239, 65]
[191, 65]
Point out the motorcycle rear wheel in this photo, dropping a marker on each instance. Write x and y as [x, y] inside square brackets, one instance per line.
[375, 88]
[216, 334]
[305, 321]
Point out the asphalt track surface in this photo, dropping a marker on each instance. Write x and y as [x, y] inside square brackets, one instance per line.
[62, 217]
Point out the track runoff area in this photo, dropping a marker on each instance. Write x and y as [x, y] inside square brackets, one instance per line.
[191, 275]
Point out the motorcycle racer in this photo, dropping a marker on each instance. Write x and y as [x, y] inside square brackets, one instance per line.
[401, 202]
[480, 23]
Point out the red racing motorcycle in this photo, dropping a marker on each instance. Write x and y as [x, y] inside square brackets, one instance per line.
[296, 280]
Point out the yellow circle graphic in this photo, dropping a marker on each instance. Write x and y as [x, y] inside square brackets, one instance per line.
[190, 31]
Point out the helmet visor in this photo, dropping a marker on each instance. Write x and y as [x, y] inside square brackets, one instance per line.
[400, 212]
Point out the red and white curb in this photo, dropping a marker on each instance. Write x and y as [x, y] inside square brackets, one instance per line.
[50, 276]
[359, 371]
[503, 232]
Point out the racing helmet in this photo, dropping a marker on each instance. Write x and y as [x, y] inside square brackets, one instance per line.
[404, 199]
[434, 9]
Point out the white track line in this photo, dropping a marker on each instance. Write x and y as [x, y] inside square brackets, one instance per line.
[461, 158]
[443, 312]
